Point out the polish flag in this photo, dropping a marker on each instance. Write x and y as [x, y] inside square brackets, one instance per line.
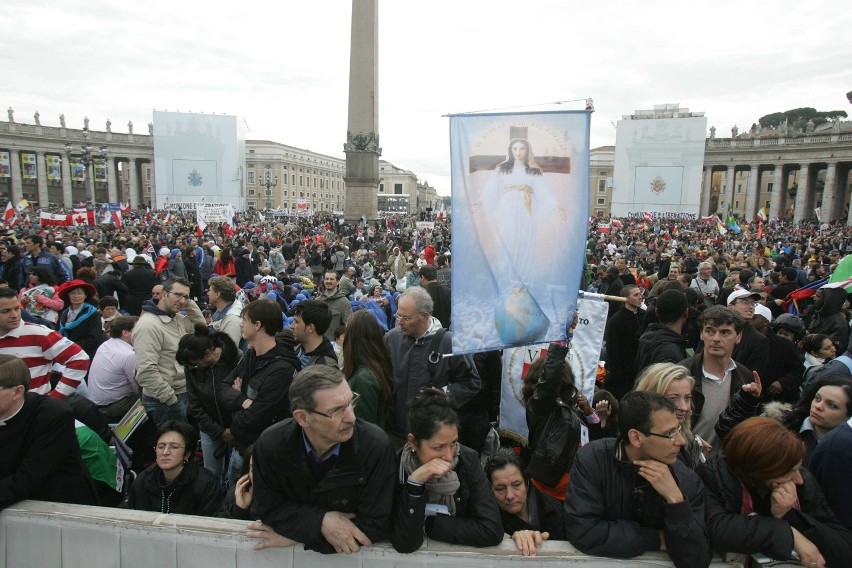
[9, 214]
[116, 219]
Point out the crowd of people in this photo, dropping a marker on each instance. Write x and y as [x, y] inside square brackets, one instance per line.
[301, 373]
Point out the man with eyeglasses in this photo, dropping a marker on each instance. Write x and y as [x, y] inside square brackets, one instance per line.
[323, 478]
[155, 340]
[631, 495]
[753, 347]
[720, 379]
[421, 353]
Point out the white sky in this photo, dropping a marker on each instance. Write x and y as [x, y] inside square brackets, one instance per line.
[283, 65]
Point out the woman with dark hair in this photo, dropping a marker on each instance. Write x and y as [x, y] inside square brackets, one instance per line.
[80, 321]
[175, 483]
[39, 298]
[367, 367]
[225, 264]
[529, 516]
[558, 417]
[208, 357]
[442, 490]
[825, 404]
[759, 499]
[819, 350]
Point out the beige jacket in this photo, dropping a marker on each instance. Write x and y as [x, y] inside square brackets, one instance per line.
[155, 340]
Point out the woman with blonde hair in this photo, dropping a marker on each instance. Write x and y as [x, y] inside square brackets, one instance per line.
[675, 383]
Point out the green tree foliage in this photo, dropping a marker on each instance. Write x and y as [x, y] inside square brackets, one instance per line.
[799, 117]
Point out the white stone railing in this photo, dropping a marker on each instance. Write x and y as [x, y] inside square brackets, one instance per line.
[52, 535]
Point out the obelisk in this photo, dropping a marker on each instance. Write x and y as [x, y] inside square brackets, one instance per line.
[362, 134]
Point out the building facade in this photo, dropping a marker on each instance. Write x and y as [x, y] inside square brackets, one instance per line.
[601, 166]
[35, 166]
[789, 174]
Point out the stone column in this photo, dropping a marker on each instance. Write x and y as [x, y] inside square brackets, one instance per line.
[41, 172]
[706, 191]
[16, 180]
[134, 182]
[728, 195]
[829, 194]
[111, 185]
[777, 192]
[66, 182]
[752, 191]
[803, 194]
[362, 135]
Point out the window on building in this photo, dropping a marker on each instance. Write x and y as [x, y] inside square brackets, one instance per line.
[601, 186]
[601, 173]
[251, 191]
[601, 201]
[736, 204]
[301, 181]
[739, 188]
[285, 179]
[315, 182]
[251, 204]
[767, 205]
[147, 174]
[397, 188]
[769, 186]
[250, 177]
[302, 194]
[382, 187]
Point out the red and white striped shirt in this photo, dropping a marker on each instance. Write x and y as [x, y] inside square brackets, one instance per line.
[45, 350]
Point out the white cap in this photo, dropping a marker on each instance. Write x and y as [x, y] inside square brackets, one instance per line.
[761, 310]
[737, 294]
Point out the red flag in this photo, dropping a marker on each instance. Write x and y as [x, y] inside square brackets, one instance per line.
[198, 231]
[116, 219]
[760, 229]
[9, 214]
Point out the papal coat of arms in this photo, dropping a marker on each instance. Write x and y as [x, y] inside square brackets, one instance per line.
[658, 185]
[195, 178]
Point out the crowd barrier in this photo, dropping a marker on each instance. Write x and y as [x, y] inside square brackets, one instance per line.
[38, 534]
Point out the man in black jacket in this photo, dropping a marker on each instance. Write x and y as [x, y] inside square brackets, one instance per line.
[631, 495]
[323, 478]
[753, 347]
[622, 342]
[39, 453]
[662, 342]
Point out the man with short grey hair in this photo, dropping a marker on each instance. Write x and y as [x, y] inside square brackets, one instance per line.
[421, 353]
[322, 478]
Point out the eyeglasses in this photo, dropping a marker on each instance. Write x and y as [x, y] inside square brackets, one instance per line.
[744, 302]
[670, 437]
[404, 318]
[171, 447]
[179, 295]
[337, 412]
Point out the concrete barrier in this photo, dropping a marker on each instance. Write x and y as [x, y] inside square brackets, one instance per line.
[38, 534]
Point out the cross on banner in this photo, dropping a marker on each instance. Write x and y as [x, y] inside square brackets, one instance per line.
[554, 164]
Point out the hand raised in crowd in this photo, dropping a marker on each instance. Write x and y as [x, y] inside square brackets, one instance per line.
[755, 388]
[243, 492]
[602, 408]
[268, 537]
[809, 554]
[528, 542]
[238, 384]
[341, 532]
[583, 403]
[432, 469]
[660, 477]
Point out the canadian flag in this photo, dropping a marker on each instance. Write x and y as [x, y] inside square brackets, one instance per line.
[82, 217]
[125, 209]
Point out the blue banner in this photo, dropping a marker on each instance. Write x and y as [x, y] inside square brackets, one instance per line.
[520, 187]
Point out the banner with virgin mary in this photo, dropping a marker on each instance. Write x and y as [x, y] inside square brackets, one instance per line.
[520, 191]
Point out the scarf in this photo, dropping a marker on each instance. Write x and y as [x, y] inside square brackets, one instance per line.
[813, 361]
[441, 490]
[86, 311]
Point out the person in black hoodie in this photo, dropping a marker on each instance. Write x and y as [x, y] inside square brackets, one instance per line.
[175, 483]
[208, 357]
[140, 279]
[662, 342]
[256, 390]
[828, 317]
